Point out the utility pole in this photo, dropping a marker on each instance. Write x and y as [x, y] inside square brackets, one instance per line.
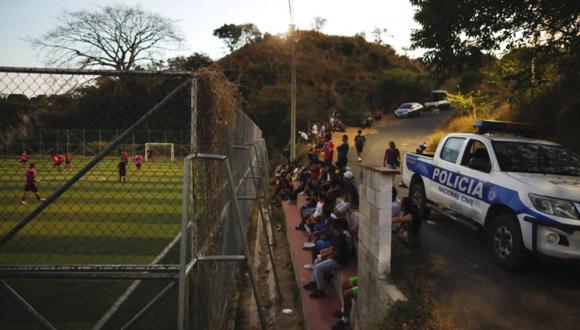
[293, 96]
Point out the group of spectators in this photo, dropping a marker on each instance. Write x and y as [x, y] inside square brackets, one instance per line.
[321, 129]
[329, 216]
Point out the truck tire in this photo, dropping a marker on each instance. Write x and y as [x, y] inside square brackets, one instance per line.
[504, 238]
[417, 193]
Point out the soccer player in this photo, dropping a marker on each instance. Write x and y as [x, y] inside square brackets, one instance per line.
[122, 166]
[30, 184]
[68, 161]
[23, 158]
[125, 156]
[56, 161]
[359, 142]
[138, 162]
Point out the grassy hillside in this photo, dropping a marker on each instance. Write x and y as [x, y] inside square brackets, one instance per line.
[346, 74]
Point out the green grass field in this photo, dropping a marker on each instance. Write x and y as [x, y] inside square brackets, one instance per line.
[98, 221]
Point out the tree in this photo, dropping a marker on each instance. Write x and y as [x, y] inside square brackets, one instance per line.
[379, 35]
[319, 23]
[189, 63]
[119, 37]
[453, 31]
[235, 36]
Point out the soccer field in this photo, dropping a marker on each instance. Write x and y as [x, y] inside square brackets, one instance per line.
[97, 221]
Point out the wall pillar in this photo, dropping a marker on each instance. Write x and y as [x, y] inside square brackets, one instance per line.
[374, 247]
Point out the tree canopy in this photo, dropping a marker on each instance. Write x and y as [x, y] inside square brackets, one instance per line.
[119, 37]
[235, 36]
[453, 31]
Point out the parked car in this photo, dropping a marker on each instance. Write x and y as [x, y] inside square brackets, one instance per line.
[437, 99]
[378, 115]
[408, 110]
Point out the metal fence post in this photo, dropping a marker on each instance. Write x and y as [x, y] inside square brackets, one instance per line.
[182, 310]
[243, 234]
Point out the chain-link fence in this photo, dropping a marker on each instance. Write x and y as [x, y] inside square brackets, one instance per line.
[93, 208]
[229, 186]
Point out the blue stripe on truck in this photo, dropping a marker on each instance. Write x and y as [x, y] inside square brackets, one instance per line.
[487, 192]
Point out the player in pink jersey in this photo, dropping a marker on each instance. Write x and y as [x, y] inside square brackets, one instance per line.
[138, 162]
[31, 184]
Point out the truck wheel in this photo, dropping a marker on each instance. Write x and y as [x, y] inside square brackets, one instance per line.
[504, 238]
[417, 193]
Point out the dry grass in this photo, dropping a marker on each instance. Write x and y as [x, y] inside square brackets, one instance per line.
[464, 124]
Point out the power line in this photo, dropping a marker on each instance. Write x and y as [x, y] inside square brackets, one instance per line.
[291, 10]
[292, 83]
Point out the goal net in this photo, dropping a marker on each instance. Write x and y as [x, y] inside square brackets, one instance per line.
[162, 151]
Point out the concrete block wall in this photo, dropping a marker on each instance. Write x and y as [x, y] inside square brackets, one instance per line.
[374, 247]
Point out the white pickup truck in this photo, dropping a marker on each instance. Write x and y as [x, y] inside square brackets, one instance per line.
[523, 194]
[437, 99]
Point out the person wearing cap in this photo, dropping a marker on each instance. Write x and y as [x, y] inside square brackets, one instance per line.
[350, 191]
[359, 143]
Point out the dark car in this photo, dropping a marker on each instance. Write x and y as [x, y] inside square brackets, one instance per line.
[377, 115]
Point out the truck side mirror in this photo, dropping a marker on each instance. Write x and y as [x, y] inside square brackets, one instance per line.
[480, 164]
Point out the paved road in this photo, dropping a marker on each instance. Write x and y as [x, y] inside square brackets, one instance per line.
[476, 293]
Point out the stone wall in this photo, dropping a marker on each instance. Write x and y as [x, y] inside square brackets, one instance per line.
[374, 247]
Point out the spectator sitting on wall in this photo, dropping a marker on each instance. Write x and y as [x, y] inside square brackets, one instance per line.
[333, 258]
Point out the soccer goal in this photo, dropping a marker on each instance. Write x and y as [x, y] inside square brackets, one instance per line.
[159, 151]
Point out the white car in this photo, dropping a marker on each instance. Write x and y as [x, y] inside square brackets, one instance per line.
[408, 110]
[523, 194]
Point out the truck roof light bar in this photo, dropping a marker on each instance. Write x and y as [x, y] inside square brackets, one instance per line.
[494, 126]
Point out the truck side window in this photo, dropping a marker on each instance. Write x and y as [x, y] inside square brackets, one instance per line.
[451, 149]
[476, 156]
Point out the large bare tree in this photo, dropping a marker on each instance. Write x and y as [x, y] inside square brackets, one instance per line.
[120, 37]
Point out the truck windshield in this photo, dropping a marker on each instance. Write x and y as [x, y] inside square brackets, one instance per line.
[536, 158]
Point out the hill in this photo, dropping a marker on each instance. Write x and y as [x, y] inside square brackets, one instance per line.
[346, 74]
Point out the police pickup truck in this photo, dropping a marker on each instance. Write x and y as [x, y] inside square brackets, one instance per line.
[522, 194]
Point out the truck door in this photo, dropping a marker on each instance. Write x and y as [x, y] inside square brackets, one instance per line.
[445, 168]
[476, 165]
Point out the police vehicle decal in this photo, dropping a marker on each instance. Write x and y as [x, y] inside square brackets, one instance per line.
[453, 184]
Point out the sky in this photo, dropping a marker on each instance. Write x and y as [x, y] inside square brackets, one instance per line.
[22, 19]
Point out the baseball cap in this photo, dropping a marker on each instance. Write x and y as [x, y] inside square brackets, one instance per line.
[348, 175]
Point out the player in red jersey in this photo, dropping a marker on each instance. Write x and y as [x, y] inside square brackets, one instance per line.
[23, 158]
[30, 184]
[57, 160]
[125, 156]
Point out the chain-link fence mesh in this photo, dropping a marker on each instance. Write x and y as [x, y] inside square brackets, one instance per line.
[95, 200]
[79, 200]
[230, 133]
